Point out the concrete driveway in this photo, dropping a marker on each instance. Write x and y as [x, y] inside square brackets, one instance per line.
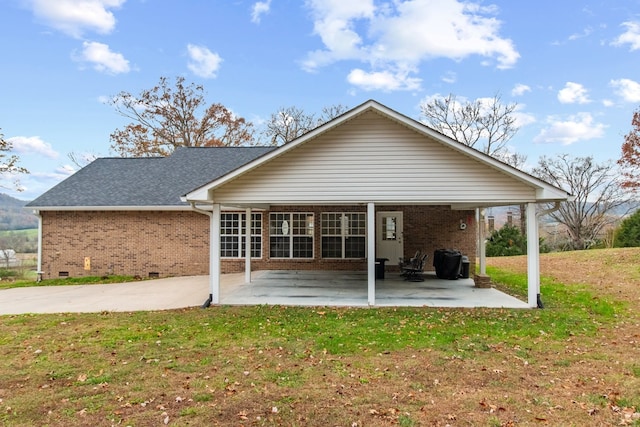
[295, 288]
[146, 295]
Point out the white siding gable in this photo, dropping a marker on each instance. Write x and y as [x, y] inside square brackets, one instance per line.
[372, 158]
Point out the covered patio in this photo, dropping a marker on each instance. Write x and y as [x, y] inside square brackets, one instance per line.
[358, 188]
[340, 288]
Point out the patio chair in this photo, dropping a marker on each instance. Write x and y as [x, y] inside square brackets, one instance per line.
[404, 263]
[414, 272]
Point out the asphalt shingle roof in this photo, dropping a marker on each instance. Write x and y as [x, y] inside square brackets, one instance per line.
[147, 181]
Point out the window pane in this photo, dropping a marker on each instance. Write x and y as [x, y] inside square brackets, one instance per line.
[302, 247]
[354, 247]
[279, 247]
[388, 228]
[331, 224]
[228, 246]
[331, 247]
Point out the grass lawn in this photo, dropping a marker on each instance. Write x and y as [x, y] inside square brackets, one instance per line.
[577, 362]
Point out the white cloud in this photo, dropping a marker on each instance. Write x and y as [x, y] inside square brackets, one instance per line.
[628, 89]
[74, 17]
[573, 93]
[382, 80]
[260, 8]
[203, 62]
[522, 118]
[580, 127]
[401, 34]
[450, 77]
[32, 145]
[520, 89]
[585, 33]
[102, 58]
[334, 22]
[631, 36]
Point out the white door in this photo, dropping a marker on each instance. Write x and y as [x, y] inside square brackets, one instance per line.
[389, 237]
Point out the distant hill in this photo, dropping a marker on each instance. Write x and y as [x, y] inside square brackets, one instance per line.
[13, 215]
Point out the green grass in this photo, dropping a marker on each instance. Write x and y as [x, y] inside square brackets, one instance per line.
[230, 361]
[89, 280]
[31, 233]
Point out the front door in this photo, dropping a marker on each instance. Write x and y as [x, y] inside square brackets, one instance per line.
[389, 236]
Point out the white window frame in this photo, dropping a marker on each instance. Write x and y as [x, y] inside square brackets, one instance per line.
[345, 232]
[239, 237]
[287, 231]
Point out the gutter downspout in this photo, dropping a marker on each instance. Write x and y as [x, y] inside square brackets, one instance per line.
[207, 302]
[39, 271]
[555, 207]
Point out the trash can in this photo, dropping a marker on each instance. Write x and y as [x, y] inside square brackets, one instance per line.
[447, 263]
[380, 267]
[464, 269]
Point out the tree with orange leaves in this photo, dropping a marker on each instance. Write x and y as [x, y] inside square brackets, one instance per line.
[165, 118]
[630, 158]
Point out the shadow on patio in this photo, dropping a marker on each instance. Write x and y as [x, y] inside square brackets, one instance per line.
[349, 288]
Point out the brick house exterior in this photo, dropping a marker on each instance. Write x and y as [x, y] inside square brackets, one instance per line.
[168, 243]
[370, 183]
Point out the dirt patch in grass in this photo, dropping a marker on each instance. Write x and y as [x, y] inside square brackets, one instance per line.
[284, 366]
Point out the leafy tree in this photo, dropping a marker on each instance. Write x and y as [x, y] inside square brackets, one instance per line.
[630, 158]
[628, 234]
[596, 196]
[506, 241]
[165, 118]
[9, 164]
[471, 122]
[288, 123]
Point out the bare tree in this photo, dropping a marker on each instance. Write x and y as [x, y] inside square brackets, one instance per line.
[630, 158]
[484, 121]
[9, 164]
[596, 192]
[81, 160]
[288, 123]
[165, 118]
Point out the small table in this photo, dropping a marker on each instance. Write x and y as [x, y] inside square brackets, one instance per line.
[380, 267]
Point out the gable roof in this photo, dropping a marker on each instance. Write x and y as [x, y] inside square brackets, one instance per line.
[146, 182]
[540, 190]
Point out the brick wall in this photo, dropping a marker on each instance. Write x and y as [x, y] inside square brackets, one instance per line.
[128, 243]
[177, 243]
[427, 228]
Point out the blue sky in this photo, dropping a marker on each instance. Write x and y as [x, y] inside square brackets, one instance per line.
[571, 66]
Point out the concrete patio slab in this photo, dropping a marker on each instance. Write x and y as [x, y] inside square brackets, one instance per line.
[294, 288]
[335, 288]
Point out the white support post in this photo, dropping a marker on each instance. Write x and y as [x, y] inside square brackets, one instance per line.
[247, 242]
[39, 272]
[533, 257]
[482, 247]
[371, 251]
[214, 255]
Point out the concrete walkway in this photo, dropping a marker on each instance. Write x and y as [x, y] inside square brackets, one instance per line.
[296, 288]
[146, 295]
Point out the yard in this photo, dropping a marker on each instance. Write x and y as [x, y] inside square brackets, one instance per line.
[577, 362]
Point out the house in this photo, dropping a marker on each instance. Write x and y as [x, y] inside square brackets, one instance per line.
[370, 184]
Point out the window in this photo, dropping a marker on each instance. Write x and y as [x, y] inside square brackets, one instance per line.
[291, 235]
[232, 244]
[344, 235]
